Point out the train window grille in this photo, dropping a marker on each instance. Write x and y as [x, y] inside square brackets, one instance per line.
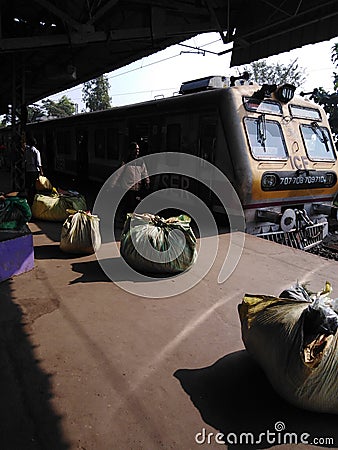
[173, 137]
[63, 140]
[317, 142]
[208, 129]
[100, 143]
[265, 106]
[269, 145]
[113, 144]
[304, 112]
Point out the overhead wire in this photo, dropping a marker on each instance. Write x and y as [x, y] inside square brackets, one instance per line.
[110, 77]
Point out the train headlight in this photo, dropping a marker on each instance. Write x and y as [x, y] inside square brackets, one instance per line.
[330, 179]
[269, 181]
[285, 92]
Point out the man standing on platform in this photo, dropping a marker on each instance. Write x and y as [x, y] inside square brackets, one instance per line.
[33, 167]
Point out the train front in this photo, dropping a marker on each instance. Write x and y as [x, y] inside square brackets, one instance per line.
[290, 177]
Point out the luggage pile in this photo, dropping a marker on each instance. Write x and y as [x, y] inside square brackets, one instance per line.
[151, 244]
[14, 212]
[80, 233]
[294, 338]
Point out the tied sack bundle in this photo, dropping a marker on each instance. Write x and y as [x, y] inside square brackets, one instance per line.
[151, 244]
[54, 207]
[43, 184]
[80, 233]
[14, 212]
[294, 339]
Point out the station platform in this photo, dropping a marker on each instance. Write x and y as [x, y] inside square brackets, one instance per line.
[87, 365]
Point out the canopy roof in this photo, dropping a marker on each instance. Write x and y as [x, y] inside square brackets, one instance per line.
[48, 46]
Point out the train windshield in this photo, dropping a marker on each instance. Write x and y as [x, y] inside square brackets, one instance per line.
[317, 142]
[265, 138]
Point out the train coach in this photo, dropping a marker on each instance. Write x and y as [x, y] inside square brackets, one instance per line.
[275, 148]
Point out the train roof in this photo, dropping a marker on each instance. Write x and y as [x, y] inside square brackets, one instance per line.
[208, 97]
[149, 105]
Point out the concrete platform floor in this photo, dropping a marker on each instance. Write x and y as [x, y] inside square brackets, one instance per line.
[85, 365]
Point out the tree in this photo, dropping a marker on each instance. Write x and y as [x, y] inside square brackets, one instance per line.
[334, 59]
[95, 94]
[35, 113]
[327, 100]
[264, 73]
[62, 108]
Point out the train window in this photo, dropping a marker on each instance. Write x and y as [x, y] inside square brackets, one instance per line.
[304, 112]
[174, 137]
[100, 143]
[63, 140]
[112, 143]
[265, 138]
[265, 106]
[318, 143]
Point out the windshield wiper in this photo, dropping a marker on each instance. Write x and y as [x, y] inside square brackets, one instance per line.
[261, 130]
[321, 134]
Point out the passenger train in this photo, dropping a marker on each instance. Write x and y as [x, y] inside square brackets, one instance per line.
[275, 148]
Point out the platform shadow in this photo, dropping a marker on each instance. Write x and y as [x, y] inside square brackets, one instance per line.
[52, 251]
[234, 396]
[51, 229]
[27, 418]
[92, 271]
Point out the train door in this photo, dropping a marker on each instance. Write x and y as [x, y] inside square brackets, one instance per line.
[82, 153]
[206, 152]
[139, 132]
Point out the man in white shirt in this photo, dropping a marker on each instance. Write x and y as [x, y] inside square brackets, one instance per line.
[33, 167]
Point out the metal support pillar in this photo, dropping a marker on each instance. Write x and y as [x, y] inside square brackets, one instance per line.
[18, 126]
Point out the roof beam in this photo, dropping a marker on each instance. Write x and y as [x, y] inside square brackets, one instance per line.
[78, 39]
[102, 11]
[289, 20]
[275, 7]
[176, 7]
[216, 21]
[28, 43]
[61, 14]
[294, 28]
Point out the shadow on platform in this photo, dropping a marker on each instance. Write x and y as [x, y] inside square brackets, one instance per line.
[51, 229]
[115, 269]
[234, 396]
[51, 251]
[27, 418]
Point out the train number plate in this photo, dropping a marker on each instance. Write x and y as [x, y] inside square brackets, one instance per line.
[306, 180]
[282, 181]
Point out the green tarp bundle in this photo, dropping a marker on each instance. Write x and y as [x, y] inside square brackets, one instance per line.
[151, 244]
[294, 338]
[14, 213]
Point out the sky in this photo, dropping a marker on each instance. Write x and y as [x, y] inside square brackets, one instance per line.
[161, 74]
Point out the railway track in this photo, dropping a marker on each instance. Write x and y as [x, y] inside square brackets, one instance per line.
[328, 248]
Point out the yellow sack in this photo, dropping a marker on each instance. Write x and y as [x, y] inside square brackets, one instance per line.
[80, 233]
[54, 207]
[43, 184]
